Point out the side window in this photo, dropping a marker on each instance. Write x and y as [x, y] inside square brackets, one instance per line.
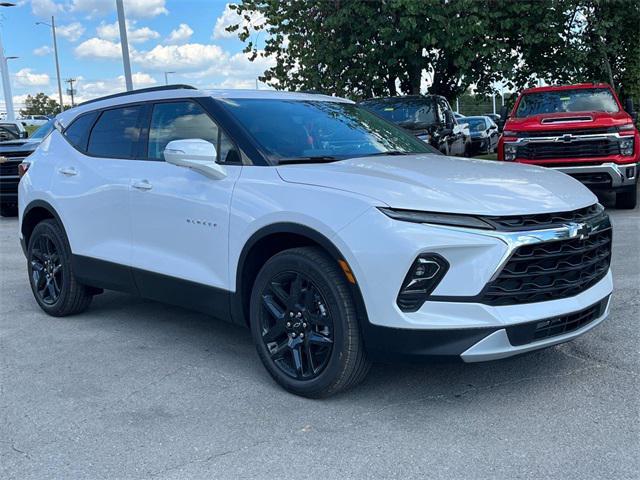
[179, 121]
[116, 133]
[78, 132]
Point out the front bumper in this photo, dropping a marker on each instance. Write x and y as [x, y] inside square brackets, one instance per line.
[605, 175]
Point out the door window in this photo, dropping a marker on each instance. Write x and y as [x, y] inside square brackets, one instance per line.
[116, 133]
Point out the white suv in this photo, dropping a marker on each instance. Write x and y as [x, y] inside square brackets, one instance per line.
[336, 236]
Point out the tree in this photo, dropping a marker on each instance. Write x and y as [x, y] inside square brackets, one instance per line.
[362, 48]
[40, 104]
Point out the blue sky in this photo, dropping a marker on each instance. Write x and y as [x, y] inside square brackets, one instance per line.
[185, 36]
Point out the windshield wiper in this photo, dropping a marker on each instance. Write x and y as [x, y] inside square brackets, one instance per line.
[390, 153]
[313, 159]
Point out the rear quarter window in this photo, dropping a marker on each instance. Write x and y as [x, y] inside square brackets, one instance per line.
[78, 132]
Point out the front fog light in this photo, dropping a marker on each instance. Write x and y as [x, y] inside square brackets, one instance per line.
[626, 146]
[422, 279]
[510, 150]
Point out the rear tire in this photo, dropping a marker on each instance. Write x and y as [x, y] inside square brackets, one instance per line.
[627, 199]
[305, 325]
[51, 276]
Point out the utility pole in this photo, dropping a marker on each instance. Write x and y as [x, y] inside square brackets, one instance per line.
[71, 91]
[52, 25]
[6, 81]
[125, 45]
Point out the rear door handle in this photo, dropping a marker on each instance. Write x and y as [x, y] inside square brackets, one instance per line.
[68, 171]
[142, 185]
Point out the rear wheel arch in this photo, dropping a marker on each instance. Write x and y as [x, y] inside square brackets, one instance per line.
[267, 242]
[34, 213]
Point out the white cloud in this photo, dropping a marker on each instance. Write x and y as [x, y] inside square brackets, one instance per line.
[111, 32]
[71, 32]
[98, 48]
[181, 34]
[233, 71]
[132, 8]
[188, 57]
[43, 51]
[27, 78]
[230, 17]
[45, 8]
[87, 90]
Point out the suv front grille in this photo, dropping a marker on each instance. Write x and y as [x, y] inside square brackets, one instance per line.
[10, 168]
[551, 270]
[550, 327]
[573, 149]
[544, 220]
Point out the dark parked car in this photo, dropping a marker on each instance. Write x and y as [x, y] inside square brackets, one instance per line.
[429, 117]
[12, 153]
[484, 134]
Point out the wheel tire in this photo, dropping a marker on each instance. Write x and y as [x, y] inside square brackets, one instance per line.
[8, 210]
[323, 282]
[49, 253]
[628, 199]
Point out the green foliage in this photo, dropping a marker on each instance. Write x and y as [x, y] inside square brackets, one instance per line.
[361, 48]
[40, 104]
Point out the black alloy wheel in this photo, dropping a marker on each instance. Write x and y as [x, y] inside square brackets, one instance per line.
[51, 276]
[46, 269]
[296, 325]
[305, 323]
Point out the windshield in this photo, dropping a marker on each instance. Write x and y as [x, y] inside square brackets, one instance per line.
[43, 131]
[319, 130]
[578, 100]
[475, 124]
[406, 112]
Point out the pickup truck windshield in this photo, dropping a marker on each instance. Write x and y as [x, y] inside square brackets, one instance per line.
[578, 100]
[294, 131]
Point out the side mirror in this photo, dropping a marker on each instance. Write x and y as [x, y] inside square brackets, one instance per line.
[628, 106]
[493, 127]
[195, 154]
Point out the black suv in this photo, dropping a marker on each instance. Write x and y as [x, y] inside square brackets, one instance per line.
[429, 117]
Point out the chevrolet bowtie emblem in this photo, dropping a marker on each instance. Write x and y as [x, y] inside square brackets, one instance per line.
[579, 230]
[567, 138]
[3, 159]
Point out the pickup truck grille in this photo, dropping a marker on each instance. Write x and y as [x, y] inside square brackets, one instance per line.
[574, 149]
[10, 167]
[551, 270]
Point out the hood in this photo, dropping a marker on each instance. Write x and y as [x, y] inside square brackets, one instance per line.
[554, 121]
[446, 184]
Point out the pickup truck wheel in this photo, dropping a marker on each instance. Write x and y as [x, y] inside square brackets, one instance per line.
[305, 325]
[627, 199]
[51, 274]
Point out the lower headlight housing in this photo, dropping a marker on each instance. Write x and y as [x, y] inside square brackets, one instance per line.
[510, 150]
[423, 277]
[626, 146]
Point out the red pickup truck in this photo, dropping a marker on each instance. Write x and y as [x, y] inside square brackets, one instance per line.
[581, 130]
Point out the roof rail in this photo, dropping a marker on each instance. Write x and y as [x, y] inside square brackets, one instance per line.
[141, 90]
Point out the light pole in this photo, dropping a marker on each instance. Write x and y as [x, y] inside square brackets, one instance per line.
[55, 53]
[166, 77]
[124, 43]
[6, 82]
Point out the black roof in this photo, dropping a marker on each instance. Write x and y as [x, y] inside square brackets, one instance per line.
[179, 86]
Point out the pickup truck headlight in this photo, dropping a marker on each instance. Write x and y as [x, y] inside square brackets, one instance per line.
[434, 218]
[626, 146]
[422, 279]
[510, 150]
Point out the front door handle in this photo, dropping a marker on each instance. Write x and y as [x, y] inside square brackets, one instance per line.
[68, 171]
[142, 185]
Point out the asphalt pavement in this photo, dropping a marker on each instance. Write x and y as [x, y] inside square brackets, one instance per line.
[135, 389]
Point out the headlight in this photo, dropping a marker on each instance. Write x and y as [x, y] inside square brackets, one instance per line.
[422, 279]
[510, 150]
[626, 146]
[450, 219]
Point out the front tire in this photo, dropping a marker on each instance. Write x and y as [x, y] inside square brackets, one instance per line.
[51, 274]
[627, 199]
[304, 324]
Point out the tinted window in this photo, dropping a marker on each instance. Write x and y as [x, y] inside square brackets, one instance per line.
[116, 133]
[406, 112]
[42, 131]
[304, 130]
[78, 131]
[13, 128]
[179, 121]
